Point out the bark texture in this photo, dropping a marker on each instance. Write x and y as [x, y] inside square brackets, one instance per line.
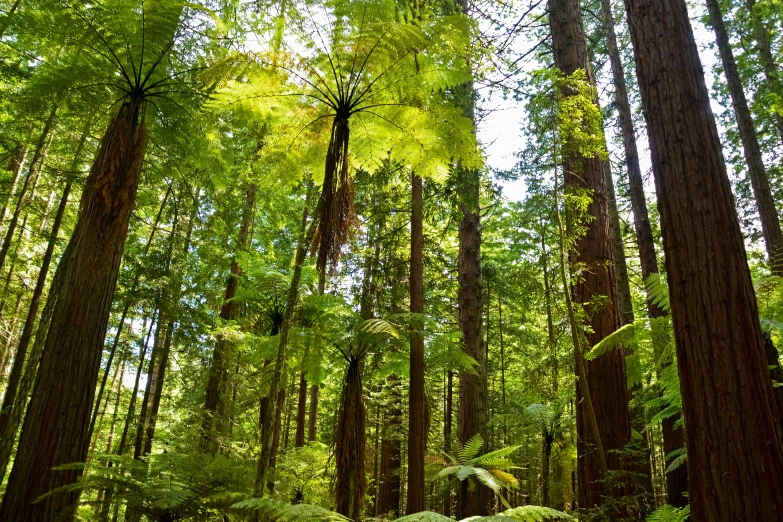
[417, 399]
[350, 441]
[734, 439]
[56, 427]
[673, 438]
[595, 290]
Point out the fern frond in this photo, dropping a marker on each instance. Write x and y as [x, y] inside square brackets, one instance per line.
[536, 514]
[670, 514]
[272, 510]
[470, 449]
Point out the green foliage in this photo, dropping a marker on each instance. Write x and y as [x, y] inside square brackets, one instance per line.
[271, 510]
[521, 514]
[168, 486]
[489, 469]
[670, 514]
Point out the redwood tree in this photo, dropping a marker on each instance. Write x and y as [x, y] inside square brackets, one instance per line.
[734, 439]
[56, 427]
[673, 439]
[595, 288]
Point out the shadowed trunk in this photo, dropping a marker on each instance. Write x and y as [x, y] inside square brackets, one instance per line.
[268, 410]
[15, 164]
[56, 427]
[29, 183]
[734, 435]
[677, 480]
[350, 444]
[417, 400]
[215, 424]
[595, 290]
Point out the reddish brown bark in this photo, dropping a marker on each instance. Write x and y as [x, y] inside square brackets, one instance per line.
[677, 480]
[350, 444]
[56, 427]
[595, 289]
[734, 438]
[417, 406]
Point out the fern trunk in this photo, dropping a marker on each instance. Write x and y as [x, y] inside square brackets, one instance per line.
[350, 444]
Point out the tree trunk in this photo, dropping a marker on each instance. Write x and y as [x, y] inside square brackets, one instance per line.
[7, 429]
[545, 464]
[215, 423]
[734, 437]
[771, 69]
[56, 427]
[606, 374]
[765, 202]
[775, 372]
[29, 182]
[417, 400]
[301, 408]
[129, 301]
[268, 412]
[677, 480]
[15, 164]
[312, 415]
[447, 435]
[350, 444]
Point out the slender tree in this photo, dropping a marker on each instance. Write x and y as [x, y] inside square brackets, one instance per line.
[757, 172]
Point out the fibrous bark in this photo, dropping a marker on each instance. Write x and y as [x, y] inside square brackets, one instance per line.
[595, 289]
[734, 437]
[56, 427]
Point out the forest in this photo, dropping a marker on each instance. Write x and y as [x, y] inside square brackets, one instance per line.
[375, 260]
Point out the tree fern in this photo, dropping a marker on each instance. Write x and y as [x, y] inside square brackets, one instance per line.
[670, 514]
[271, 510]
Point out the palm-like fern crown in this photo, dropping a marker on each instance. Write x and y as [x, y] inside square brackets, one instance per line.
[358, 62]
[110, 50]
[489, 469]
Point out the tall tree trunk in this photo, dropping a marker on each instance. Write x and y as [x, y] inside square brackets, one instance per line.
[676, 480]
[350, 444]
[606, 374]
[129, 301]
[268, 412]
[312, 415]
[215, 405]
[15, 164]
[301, 407]
[391, 450]
[417, 400]
[29, 182]
[765, 202]
[472, 399]
[28, 377]
[734, 437]
[762, 35]
[7, 429]
[56, 427]
[447, 435]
